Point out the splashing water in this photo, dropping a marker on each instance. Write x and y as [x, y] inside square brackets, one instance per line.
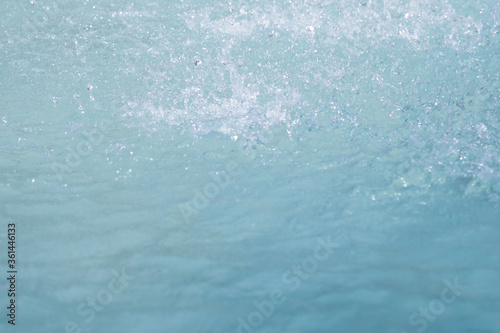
[206, 148]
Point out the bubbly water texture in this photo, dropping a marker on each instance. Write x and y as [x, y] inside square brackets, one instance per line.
[374, 122]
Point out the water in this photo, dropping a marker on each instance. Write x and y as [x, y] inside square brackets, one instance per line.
[176, 166]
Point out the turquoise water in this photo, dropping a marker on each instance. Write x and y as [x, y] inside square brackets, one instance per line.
[251, 166]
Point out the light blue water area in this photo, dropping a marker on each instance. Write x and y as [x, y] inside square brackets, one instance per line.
[251, 166]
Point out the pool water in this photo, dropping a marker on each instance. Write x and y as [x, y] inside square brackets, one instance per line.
[251, 166]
